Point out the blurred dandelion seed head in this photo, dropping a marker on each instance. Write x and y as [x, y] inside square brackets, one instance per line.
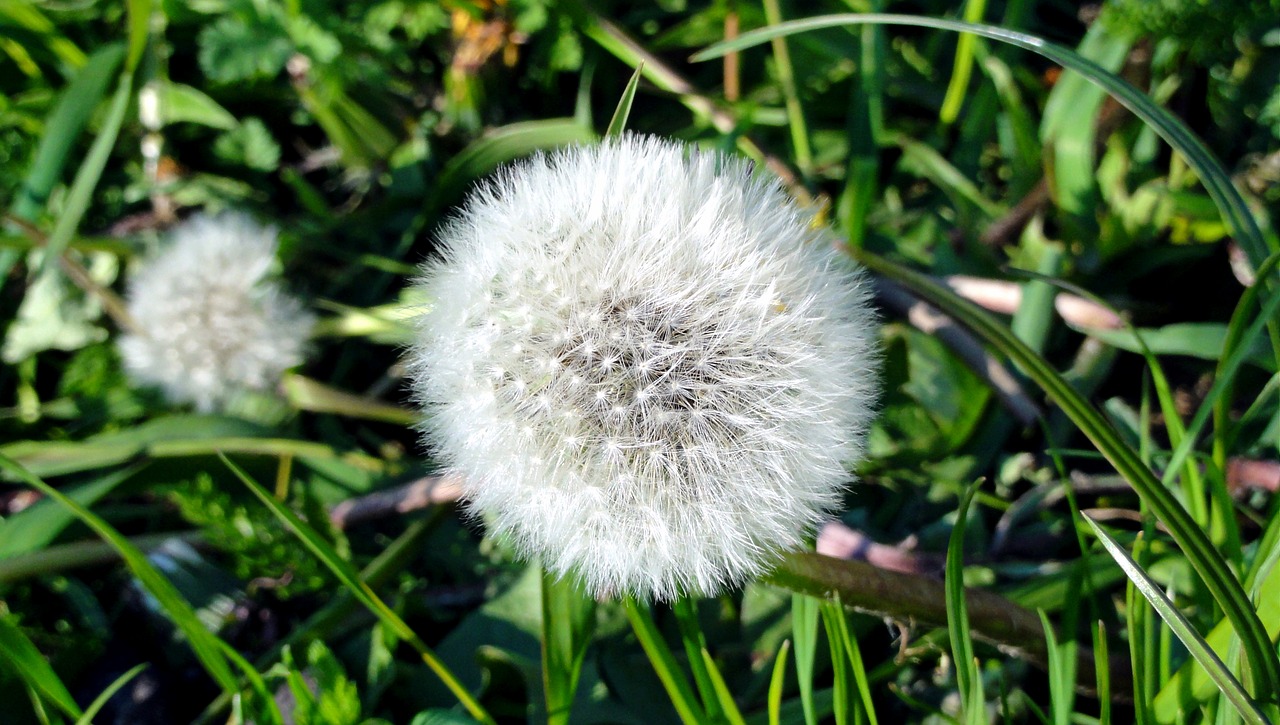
[211, 319]
[648, 366]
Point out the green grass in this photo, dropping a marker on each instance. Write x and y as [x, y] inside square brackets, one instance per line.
[1114, 565]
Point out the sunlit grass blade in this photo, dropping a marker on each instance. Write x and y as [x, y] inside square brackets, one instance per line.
[962, 68]
[664, 663]
[34, 528]
[791, 97]
[618, 123]
[568, 620]
[777, 681]
[804, 629]
[94, 707]
[968, 677]
[203, 643]
[1200, 552]
[20, 657]
[1194, 643]
[360, 590]
[724, 698]
[1172, 129]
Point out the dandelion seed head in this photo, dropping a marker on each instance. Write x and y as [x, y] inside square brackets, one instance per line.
[714, 365]
[211, 320]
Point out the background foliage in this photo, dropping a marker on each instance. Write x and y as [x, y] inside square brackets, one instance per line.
[357, 127]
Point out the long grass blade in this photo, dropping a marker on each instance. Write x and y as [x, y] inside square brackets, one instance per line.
[968, 677]
[1215, 178]
[19, 656]
[664, 663]
[203, 643]
[1200, 552]
[618, 123]
[360, 590]
[1194, 643]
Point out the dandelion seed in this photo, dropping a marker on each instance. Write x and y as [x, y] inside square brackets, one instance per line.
[211, 320]
[717, 366]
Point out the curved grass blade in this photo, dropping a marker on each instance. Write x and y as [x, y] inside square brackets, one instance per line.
[98, 702]
[360, 590]
[721, 690]
[204, 643]
[776, 682]
[1201, 553]
[1194, 643]
[618, 123]
[962, 69]
[1216, 180]
[20, 656]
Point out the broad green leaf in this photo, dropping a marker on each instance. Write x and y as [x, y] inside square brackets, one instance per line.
[1194, 643]
[1203, 340]
[804, 626]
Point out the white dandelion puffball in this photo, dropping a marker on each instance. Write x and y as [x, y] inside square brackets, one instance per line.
[210, 318]
[648, 367]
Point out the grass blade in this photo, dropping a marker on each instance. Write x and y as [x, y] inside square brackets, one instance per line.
[664, 663]
[695, 645]
[20, 656]
[787, 78]
[1194, 643]
[968, 677]
[92, 711]
[618, 123]
[804, 629]
[963, 66]
[204, 643]
[724, 698]
[1200, 552]
[360, 590]
[776, 682]
[1172, 129]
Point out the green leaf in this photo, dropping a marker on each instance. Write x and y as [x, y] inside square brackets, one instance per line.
[181, 103]
[231, 50]
[1194, 643]
[618, 123]
[1203, 340]
[203, 643]
[20, 656]
[1201, 553]
[359, 589]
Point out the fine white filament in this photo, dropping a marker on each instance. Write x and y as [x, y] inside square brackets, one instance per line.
[211, 320]
[648, 366]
